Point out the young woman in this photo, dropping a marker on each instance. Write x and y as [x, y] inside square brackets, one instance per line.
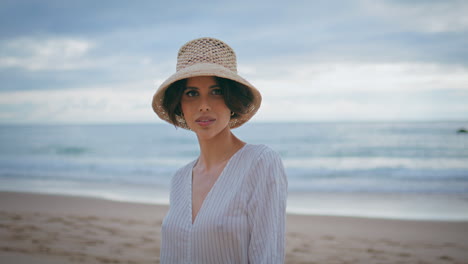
[228, 205]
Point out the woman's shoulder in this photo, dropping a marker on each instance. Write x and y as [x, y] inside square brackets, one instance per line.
[261, 158]
[261, 152]
[265, 165]
[183, 171]
[187, 167]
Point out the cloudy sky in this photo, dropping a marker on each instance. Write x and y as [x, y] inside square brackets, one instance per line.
[101, 61]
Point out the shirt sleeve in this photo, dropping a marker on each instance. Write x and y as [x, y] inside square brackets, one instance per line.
[267, 210]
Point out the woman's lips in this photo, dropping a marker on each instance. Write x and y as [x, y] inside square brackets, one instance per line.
[205, 121]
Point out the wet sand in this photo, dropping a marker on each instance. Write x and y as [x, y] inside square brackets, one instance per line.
[43, 228]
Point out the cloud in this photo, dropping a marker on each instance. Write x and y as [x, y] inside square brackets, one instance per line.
[307, 92]
[46, 54]
[85, 105]
[423, 16]
[397, 107]
[360, 91]
[312, 60]
[68, 63]
[284, 79]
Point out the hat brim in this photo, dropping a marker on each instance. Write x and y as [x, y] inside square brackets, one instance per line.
[206, 69]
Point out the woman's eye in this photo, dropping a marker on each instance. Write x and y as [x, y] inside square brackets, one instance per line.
[191, 93]
[217, 92]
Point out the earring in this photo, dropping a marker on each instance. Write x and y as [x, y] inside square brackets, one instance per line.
[232, 113]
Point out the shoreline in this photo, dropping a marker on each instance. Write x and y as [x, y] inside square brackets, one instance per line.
[163, 206]
[49, 228]
[391, 206]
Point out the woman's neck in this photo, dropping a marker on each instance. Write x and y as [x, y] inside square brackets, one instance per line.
[218, 150]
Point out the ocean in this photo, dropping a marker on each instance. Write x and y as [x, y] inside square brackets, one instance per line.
[393, 170]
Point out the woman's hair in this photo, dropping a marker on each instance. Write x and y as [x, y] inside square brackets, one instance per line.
[237, 97]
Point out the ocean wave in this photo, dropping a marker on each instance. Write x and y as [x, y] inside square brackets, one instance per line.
[353, 163]
[59, 150]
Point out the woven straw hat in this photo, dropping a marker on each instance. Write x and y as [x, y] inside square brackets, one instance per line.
[206, 57]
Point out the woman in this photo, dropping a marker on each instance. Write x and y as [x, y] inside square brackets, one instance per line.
[227, 206]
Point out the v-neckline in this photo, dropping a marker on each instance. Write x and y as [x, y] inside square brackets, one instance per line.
[194, 220]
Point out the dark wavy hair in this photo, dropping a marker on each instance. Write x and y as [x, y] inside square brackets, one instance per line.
[237, 97]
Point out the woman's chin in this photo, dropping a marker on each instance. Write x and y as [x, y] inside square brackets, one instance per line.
[207, 133]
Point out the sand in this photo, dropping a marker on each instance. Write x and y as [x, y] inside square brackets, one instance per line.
[40, 228]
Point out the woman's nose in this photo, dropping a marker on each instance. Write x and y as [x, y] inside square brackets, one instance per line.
[204, 106]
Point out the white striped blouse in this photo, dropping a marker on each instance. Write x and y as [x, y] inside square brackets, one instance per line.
[242, 219]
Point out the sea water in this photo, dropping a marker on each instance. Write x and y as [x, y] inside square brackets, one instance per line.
[403, 170]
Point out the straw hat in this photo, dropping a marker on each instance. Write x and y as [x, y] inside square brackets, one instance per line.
[206, 57]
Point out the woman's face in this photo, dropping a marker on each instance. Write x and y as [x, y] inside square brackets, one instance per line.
[203, 107]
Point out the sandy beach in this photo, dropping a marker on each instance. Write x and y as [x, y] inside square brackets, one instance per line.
[39, 228]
